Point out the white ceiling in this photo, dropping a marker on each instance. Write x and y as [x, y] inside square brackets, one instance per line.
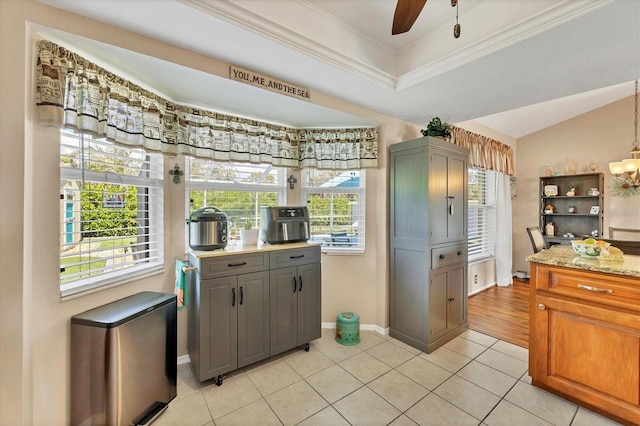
[512, 58]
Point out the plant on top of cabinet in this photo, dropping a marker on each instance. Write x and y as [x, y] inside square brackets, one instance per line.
[437, 128]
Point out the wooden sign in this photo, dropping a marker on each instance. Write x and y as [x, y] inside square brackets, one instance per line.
[268, 83]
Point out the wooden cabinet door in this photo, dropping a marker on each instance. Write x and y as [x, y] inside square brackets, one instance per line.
[283, 294]
[218, 327]
[588, 350]
[253, 318]
[309, 303]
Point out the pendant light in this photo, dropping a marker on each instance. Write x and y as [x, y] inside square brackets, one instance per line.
[628, 170]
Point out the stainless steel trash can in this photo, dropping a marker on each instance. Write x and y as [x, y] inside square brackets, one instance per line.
[124, 360]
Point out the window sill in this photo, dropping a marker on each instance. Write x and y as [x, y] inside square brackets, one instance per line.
[86, 287]
[481, 260]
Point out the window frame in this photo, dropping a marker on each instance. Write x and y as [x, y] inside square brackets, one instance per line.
[152, 183]
[487, 226]
[327, 245]
[280, 189]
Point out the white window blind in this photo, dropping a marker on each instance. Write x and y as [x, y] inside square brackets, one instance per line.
[482, 200]
[336, 203]
[239, 190]
[111, 215]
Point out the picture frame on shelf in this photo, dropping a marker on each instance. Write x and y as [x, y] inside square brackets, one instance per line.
[594, 210]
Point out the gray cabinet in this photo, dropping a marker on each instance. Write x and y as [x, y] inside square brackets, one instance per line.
[427, 242]
[240, 311]
[295, 298]
[229, 314]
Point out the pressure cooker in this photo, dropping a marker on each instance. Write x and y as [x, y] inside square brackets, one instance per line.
[207, 229]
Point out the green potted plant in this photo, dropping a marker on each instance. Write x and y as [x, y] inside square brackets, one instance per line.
[249, 235]
[437, 128]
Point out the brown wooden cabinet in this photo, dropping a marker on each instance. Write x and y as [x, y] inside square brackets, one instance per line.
[585, 338]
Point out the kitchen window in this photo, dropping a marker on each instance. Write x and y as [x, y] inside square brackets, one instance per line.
[237, 189]
[481, 212]
[111, 213]
[336, 203]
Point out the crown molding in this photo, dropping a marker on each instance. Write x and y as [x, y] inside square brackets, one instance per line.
[516, 33]
[242, 18]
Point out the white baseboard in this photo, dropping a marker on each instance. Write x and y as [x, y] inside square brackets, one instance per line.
[478, 290]
[365, 327]
[185, 359]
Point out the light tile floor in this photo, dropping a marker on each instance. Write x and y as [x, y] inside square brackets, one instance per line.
[472, 380]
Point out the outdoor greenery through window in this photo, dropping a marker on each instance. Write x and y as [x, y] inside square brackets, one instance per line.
[482, 201]
[237, 189]
[336, 203]
[111, 213]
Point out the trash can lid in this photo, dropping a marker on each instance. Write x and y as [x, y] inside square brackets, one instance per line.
[348, 317]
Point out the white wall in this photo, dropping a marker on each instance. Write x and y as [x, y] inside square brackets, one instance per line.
[34, 326]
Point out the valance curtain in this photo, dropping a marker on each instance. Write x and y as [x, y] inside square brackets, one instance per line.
[484, 153]
[72, 92]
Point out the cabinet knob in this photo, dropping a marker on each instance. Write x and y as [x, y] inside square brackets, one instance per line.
[441, 256]
[541, 306]
[451, 299]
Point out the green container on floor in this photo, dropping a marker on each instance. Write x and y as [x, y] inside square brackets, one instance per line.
[348, 328]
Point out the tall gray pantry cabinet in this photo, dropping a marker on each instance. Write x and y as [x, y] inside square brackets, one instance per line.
[244, 307]
[427, 242]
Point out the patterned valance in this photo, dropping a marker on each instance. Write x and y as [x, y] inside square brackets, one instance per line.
[72, 92]
[484, 153]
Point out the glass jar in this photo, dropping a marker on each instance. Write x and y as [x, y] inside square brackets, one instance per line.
[569, 167]
[549, 229]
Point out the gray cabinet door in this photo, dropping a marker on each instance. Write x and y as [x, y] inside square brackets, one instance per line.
[218, 327]
[438, 201]
[283, 294]
[309, 302]
[253, 317]
[438, 303]
[456, 195]
[447, 196]
[456, 296]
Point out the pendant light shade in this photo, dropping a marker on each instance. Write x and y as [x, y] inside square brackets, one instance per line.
[628, 170]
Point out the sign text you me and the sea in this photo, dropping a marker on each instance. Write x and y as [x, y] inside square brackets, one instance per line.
[268, 83]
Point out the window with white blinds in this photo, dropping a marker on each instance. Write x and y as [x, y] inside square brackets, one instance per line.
[237, 189]
[111, 213]
[336, 203]
[482, 201]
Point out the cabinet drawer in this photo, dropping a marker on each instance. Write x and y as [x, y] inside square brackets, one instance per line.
[443, 256]
[612, 290]
[294, 257]
[220, 266]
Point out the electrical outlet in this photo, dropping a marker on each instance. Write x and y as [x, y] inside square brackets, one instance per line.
[475, 279]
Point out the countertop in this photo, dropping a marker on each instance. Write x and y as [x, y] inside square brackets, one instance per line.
[562, 255]
[238, 248]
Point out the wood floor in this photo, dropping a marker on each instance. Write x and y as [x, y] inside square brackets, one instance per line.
[502, 312]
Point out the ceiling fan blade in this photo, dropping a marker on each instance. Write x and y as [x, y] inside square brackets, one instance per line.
[407, 11]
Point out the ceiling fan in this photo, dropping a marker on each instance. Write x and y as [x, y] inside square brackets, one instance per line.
[407, 11]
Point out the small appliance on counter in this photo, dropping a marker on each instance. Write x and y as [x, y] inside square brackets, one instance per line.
[279, 225]
[207, 229]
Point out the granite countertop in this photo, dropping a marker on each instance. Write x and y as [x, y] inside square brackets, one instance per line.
[563, 255]
[238, 248]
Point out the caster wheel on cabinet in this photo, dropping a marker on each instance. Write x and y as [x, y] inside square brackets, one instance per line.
[306, 347]
[219, 380]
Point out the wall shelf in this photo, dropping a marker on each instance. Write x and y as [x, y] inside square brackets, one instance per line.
[580, 223]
